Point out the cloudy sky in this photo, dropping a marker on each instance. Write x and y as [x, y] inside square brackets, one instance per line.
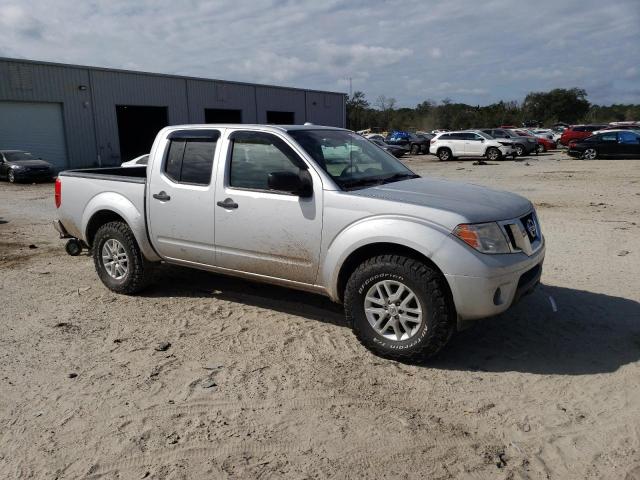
[468, 50]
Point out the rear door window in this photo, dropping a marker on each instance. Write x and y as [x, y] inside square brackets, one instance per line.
[190, 160]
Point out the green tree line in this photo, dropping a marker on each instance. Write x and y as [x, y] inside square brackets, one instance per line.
[558, 105]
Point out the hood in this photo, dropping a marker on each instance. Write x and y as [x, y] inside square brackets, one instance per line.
[31, 163]
[474, 203]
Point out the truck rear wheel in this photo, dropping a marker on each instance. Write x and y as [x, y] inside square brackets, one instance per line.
[398, 308]
[118, 259]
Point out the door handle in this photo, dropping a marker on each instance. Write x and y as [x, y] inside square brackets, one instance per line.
[162, 196]
[227, 203]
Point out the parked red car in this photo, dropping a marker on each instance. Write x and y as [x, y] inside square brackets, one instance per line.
[578, 132]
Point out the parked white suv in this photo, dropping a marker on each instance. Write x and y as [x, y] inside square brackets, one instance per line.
[470, 143]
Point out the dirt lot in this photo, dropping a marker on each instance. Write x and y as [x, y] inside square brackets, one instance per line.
[534, 393]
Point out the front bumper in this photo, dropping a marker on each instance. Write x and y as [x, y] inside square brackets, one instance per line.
[480, 297]
[507, 150]
[57, 224]
[24, 175]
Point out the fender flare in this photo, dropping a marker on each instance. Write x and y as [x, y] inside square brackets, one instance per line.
[410, 232]
[123, 207]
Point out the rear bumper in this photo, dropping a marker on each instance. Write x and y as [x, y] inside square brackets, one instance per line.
[480, 297]
[57, 224]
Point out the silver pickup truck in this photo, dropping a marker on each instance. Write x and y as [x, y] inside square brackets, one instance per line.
[314, 208]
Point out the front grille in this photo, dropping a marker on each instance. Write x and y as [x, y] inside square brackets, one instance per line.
[523, 233]
[530, 227]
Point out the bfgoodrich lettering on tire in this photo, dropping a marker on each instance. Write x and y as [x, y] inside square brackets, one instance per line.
[399, 308]
[118, 260]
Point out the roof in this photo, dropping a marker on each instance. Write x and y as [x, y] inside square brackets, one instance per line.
[282, 128]
[166, 75]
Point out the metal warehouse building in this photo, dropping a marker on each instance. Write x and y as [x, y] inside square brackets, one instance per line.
[76, 116]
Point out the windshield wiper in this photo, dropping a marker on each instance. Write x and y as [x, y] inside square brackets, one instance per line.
[399, 176]
[361, 182]
[368, 181]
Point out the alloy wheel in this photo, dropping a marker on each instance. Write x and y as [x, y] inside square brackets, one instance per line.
[115, 259]
[590, 154]
[393, 310]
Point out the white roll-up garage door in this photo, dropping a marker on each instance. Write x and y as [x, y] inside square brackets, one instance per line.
[37, 128]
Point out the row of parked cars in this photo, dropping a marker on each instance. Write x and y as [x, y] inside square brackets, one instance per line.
[494, 143]
[583, 141]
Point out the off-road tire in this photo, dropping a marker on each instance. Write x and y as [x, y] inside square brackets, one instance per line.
[431, 291]
[139, 269]
[444, 154]
[495, 153]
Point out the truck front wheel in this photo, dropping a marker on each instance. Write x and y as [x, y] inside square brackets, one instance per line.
[398, 308]
[118, 259]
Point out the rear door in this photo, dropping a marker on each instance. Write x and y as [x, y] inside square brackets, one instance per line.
[455, 142]
[263, 231]
[180, 196]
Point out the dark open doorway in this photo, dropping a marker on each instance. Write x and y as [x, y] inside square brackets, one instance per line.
[222, 115]
[280, 118]
[138, 127]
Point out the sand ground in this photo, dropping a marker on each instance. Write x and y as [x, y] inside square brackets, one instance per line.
[533, 393]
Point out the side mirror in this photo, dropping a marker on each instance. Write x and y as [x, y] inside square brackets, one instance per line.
[482, 140]
[299, 183]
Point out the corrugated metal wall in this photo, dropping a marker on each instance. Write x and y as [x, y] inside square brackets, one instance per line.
[31, 82]
[281, 100]
[326, 108]
[215, 94]
[89, 97]
[117, 88]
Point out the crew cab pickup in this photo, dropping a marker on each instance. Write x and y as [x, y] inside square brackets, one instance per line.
[314, 208]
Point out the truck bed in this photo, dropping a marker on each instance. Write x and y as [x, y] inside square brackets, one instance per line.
[85, 191]
[116, 174]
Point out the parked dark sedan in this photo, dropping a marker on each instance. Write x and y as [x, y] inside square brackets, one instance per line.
[16, 166]
[521, 145]
[414, 143]
[620, 144]
[395, 150]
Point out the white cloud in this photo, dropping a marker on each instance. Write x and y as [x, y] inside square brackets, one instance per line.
[433, 50]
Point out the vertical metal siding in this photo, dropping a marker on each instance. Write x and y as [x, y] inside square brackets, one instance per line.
[282, 100]
[89, 114]
[215, 94]
[118, 88]
[325, 108]
[27, 82]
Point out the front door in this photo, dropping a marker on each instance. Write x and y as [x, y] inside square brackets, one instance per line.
[628, 144]
[262, 231]
[608, 143]
[180, 197]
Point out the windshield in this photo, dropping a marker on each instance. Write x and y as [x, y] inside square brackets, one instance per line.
[483, 134]
[17, 156]
[352, 161]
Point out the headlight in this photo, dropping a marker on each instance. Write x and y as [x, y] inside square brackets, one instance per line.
[17, 167]
[484, 237]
